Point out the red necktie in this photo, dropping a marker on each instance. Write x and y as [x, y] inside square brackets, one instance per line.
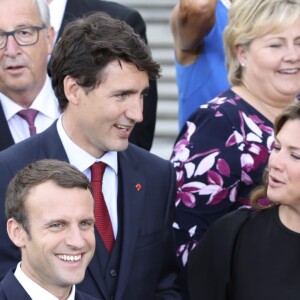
[29, 115]
[102, 219]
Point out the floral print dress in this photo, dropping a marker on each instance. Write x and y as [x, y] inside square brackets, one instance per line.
[219, 157]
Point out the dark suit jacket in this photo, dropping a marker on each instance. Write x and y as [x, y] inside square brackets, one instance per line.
[148, 265]
[11, 289]
[6, 138]
[143, 133]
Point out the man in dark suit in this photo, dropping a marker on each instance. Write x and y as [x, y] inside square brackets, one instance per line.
[143, 133]
[56, 243]
[101, 72]
[24, 82]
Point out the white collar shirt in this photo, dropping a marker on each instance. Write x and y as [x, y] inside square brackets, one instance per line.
[35, 291]
[57, 10]
[83, 161]
[45, 102]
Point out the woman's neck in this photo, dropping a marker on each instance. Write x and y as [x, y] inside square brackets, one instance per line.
[290, 217]
[267, 107]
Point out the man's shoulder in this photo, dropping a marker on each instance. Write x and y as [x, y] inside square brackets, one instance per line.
[83, 296]
[143, 155]
[44, 145]
[11, 289]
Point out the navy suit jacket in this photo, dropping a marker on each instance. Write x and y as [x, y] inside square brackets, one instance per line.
[148, 264]
[143, 133]
[6, 138]
[11, 289]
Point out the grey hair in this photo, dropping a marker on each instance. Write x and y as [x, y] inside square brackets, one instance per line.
[44, 11]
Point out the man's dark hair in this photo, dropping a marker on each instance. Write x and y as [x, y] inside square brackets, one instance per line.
[61, 173]
[89, 44]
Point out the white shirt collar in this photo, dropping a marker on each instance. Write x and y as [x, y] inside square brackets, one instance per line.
[45, 102]
[226, 3]
[80, 158]
[57, 10]
[35, 291]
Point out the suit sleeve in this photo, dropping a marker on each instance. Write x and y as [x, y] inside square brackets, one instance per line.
[9, 253]
[167, 288]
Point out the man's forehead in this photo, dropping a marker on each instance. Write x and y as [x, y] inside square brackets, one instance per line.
[17, 17]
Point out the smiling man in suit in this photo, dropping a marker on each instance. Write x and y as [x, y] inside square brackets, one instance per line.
[101, 72]
[64, 11]
[56, 238]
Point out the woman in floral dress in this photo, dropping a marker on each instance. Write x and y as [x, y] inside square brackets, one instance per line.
[221, 152]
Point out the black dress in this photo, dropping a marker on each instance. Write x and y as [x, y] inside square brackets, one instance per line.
[246, 255]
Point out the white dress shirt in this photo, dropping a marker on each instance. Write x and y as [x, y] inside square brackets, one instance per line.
[57, 10]
[83, 161]
[35, 291]
[45, 102]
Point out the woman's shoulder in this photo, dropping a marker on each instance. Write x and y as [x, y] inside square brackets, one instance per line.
[234, 219]
[226, 103]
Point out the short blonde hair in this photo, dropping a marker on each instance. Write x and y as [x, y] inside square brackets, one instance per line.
[250, 19]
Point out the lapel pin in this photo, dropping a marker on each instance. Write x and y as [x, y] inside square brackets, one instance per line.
[138, 187]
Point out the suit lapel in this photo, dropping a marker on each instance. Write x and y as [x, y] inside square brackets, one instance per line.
[50, 145]
[6, 139]
[12, 288]
[133, 188]
[96, 267]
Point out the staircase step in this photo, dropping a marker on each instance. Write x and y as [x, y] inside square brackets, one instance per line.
[167, 90]
[164, 56]
[167, 109]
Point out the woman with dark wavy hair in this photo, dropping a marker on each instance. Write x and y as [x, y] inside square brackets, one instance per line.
[254, 253]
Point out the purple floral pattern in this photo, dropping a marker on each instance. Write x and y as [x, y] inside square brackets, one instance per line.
[219, 158]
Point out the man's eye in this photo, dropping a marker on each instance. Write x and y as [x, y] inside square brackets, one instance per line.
[56, 226]
[86, 224]
[24, 32]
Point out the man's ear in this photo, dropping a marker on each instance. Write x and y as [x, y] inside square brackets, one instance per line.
[71, 89]
[50, 39]
[16, 232]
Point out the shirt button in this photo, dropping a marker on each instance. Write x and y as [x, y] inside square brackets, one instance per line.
[113, 273]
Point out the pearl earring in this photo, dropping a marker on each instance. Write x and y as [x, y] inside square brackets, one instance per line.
[243, 65]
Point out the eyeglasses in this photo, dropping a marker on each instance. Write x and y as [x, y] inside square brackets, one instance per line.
[24, 36]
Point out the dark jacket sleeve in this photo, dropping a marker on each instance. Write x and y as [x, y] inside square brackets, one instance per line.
[209, 263]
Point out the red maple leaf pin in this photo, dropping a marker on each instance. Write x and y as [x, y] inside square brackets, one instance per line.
[138, 186]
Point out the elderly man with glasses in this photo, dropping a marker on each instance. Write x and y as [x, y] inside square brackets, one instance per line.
[27, 101]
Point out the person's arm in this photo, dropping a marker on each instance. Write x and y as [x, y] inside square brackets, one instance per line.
[190, 21]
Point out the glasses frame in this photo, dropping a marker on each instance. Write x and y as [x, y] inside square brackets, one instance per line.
[12, 33]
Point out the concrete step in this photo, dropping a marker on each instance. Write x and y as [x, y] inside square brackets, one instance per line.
[164, 55]
[166, 128]
[167, 109]
[163, 147]
[167, 90]
[160, 36]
